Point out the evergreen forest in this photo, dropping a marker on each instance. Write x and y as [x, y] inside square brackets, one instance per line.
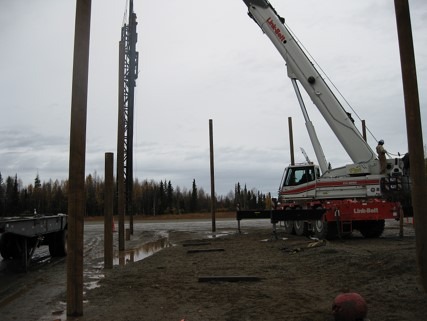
[148, 198]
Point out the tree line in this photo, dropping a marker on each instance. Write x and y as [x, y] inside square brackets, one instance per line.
[148, 197]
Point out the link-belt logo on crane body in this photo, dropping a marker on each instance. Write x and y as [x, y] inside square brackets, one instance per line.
[368, 210]
[276, 30]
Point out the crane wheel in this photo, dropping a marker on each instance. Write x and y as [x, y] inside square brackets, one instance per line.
[300, 228]
[371, 229]
[320, 228]
[324, 230]
[288, 227]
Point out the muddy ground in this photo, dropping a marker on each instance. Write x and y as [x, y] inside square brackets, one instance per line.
[298, 278]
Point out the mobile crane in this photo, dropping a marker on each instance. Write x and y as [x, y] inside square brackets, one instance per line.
[354, 196]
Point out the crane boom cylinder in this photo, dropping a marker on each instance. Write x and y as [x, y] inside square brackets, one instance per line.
[318, 150]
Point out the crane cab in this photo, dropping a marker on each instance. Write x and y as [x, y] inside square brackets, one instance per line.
[299, 182]
[300, 174]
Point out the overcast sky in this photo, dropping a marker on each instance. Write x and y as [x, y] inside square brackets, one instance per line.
[199, 60]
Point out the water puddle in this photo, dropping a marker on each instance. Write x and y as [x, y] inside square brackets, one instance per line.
[61, 313]
[274, 239]
[92, 276]
[213, 235]
[145, 250]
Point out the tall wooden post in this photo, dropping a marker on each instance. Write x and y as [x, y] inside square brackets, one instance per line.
[108, 211]
[76, 192]
[414, 131]
[213, 197]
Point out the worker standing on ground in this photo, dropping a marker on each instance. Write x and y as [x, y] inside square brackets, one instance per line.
[381, 156]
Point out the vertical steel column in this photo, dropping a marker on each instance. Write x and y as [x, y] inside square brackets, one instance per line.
[76, 192]
[414, 131]
[108, 211]
[129, 37]
[364, 131]
[120, 149]
[291, 141]
[213, 197]
[133, 75]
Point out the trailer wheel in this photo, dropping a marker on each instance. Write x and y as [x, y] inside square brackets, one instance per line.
[58, 244]
[371, 229]
[9, 248]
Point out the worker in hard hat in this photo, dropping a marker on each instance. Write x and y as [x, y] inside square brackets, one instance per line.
[381, 156]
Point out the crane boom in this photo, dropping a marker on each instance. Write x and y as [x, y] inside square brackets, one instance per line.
[301, 68]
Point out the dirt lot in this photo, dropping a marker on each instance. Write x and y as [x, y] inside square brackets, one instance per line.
[299, 279]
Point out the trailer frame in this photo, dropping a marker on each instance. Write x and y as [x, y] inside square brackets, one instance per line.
[20, 236]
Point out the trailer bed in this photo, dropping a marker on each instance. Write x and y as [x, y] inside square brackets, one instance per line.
[31, 226]
[20, 236]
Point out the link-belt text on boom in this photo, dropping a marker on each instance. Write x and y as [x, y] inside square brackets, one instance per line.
[276, 30]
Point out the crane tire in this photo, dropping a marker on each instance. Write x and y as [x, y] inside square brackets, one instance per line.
[300, 228]
[288, 227]
[324, 230]
[371, 229]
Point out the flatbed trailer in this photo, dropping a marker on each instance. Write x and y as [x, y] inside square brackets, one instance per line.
[20, 236]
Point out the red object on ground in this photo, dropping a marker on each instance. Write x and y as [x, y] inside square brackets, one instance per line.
[349, 307]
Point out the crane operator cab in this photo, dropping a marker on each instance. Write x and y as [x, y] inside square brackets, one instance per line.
[300, 174]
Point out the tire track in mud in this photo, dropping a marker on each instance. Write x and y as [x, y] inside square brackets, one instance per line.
[44, 285]
[93, 247]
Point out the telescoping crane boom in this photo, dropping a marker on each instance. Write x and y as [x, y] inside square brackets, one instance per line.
[355, 196]
[302, 69]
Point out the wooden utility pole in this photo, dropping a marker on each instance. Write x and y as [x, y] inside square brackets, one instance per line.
[76, 191]
[414, 132]
[108, 211]
[213, 197]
